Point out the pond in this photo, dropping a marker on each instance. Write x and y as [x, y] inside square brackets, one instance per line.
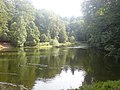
[55, 68]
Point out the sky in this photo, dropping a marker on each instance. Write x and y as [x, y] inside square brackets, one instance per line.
[64, 8]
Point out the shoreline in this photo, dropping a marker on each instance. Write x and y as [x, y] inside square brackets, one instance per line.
[4, 45]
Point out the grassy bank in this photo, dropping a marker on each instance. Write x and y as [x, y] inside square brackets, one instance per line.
[43, 45]
[109, 85]
[48, 45]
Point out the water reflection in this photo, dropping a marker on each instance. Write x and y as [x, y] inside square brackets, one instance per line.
[55, 68]
[65, 80]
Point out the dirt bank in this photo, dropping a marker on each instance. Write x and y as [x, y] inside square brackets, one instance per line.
[4, 45]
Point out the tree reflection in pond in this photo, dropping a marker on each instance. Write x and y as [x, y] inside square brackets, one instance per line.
[35, 68]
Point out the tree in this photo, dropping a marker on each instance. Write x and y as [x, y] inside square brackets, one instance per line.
[22, 29]
[54, 42]
[76, 28]
[4, 16]
[72, 39]
[33, 34]
[102, 22]
[62, 34]
[18, 32]
[51, 25]
[43, 38]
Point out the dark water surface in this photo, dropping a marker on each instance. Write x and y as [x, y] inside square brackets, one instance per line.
[55, 68]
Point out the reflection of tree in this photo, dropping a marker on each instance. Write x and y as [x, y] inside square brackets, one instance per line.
[98, 67]
[23, 66]
[27, 73]
[10, 68]
[54, 60]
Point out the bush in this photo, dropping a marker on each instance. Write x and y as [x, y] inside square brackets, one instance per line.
[54, 42]
[72, 39]
[109, 85]
[43, 38]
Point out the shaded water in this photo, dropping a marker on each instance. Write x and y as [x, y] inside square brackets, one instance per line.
[55, 68]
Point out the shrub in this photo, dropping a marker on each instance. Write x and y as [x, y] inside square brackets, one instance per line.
[54, 42]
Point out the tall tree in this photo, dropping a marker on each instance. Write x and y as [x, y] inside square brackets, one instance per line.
[18, 31]
[4, 16]
[102, 22]
[50, 24]
[22, 24]
[33, 34]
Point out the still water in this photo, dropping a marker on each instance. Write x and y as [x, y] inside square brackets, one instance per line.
[55, 68]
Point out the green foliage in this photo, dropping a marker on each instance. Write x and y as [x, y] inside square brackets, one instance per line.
[21, 24]
[21, 27]
[109, 85]
[51, 25]
[72, 39]
[62, 37]
[54, 42]
[43, 38]
[33, 35]
[18, 32]
[102, 24]
[75, 26]
[62, 34]
[4, 16]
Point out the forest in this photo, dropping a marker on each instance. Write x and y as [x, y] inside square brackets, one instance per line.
[23, 25]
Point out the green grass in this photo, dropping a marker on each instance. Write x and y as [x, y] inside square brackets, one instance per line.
[109, 85]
